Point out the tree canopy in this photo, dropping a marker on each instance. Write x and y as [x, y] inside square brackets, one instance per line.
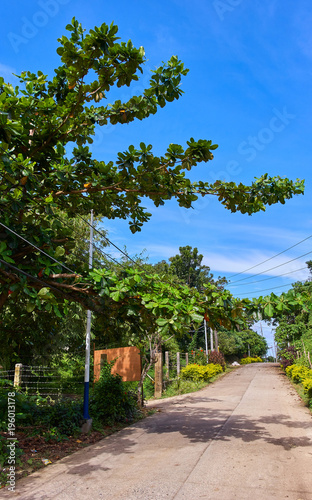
[49, 176]
[187, 265]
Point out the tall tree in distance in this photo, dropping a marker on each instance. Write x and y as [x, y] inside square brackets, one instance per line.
[187, 265]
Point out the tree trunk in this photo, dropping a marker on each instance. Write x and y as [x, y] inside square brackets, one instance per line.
[3, 298]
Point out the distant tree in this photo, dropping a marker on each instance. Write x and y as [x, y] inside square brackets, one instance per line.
[187, 265]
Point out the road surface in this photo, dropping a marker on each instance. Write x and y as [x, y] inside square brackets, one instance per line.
[247, 436]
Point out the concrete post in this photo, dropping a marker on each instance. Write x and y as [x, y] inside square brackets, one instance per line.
[178, 365]
[167, 364]
[158, 375]
[211, 339]
[18, 375]
[216, 341]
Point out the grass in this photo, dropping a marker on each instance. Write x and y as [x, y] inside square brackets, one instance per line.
[182, 386]
[300, 391]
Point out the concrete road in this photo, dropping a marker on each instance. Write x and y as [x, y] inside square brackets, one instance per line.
[247, 436]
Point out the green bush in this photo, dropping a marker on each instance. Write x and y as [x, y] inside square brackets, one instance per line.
[249, 359]
[198, 357]
[111, 401]
[199, 373]
[65, 416]
[24, 406]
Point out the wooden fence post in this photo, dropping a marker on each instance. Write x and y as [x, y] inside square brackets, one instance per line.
[186, 358]
[18, 375]
[158, 375]
[167, 364]
[178, 364]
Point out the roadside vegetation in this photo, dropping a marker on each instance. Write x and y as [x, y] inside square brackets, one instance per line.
[50, 184]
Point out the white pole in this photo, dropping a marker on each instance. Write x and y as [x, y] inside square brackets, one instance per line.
[206, 340]
[88, 334]
[211, 339]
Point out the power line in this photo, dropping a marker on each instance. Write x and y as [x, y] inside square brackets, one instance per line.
[63, 222]
[34, 278]
[271, 278]
[265, 290]
[110, 242]
[267, 260]
[271, 268]
[37, 248]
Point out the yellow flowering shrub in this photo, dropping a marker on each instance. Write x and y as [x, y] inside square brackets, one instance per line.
[246, 361]
[197, 372]
[303, 375]
[298, 373]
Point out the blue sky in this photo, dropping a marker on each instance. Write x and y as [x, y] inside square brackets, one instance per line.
[248, 90]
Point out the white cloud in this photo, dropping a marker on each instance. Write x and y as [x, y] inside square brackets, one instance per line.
[239, 264]
[7, 73]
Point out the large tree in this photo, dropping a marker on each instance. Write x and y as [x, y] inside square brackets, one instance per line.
[187, 265]
[47, 168]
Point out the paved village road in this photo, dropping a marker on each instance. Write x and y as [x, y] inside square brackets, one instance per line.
[247, 436]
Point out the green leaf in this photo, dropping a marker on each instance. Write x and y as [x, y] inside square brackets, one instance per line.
[59, 252]
[161, 321]
[269, 310]
[43, 293]
[115, 296]
[30, 307]
[197, 317]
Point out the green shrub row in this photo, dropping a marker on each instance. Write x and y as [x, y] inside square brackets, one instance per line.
[198, 373]
[301, 375]
[246, 361]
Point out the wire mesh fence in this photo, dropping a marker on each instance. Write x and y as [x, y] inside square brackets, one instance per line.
[6, 375]
[40, 380]
[52, 382]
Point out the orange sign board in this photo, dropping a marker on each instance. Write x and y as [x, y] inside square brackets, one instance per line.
[128, 362]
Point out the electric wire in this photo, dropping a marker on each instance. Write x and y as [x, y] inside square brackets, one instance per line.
[109, 241]
[272, 277]
[33, 278]
[63, 222]
[265, 290]
[37, 248]
[139, 265]
[271, 268]
[273, 257]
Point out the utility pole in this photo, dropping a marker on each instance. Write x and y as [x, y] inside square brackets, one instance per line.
[87, 425]
[206, 340]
